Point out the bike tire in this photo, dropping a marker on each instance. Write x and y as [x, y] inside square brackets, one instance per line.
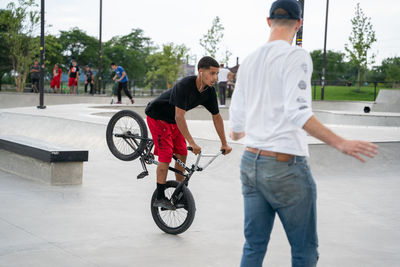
[126, 121]
[163, 218]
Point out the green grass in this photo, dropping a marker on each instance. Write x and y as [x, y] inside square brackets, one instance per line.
[346, 93]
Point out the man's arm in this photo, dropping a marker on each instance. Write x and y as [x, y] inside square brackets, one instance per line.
[182, 125]
[349, 147]
[236, 136]
[219, 126]
[122, 76]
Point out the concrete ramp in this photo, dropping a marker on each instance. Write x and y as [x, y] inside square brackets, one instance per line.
[388, 101]
[328, 162]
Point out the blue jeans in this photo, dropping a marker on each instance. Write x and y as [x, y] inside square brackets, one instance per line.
[288, 189]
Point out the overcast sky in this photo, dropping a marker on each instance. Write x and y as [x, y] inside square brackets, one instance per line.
[186, 21]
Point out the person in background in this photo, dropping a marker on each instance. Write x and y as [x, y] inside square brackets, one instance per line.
[222, 84]
[55, 82]
[122, 79]
[35, 76]
[89, 80]
[73, 75]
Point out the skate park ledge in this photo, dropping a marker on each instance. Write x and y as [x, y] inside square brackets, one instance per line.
[41, 161]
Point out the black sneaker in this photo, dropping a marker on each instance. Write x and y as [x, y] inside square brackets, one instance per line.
[164, 203]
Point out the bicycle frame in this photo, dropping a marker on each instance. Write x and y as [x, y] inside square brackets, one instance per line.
[147, 157]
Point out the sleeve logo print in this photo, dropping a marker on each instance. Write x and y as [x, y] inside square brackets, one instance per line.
[302, 85]
[303, 107]
[304, 67]
[301, 99]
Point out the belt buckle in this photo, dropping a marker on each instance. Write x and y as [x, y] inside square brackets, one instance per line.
[283, 157]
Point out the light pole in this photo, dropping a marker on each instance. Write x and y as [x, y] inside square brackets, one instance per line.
[99, 75]
[41, 80]
[324, 55]
[299, 35]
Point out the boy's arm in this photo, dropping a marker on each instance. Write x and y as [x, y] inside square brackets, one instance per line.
[219, 127]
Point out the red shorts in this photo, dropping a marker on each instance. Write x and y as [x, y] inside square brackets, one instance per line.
[167, 139]
[55, 83]
[72, 82]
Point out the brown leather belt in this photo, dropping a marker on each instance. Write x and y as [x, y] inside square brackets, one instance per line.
[279, 156]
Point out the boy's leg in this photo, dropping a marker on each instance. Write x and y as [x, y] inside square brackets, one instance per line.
[119, 92]
[180, 150]
[163, 148]
[127, 93]
[182, 158]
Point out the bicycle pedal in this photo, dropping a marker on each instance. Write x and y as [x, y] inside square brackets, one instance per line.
[142, 175]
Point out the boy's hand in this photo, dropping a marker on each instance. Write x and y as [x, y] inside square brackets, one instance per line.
[195, 148]
[227, 149]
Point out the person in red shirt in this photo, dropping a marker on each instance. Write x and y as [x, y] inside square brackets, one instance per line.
[73, 75]
[55, 82]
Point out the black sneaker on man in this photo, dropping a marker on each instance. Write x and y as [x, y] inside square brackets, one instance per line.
[164, 203]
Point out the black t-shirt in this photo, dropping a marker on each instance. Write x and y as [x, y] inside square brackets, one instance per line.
[183, 95]
[73, 71]
[36, 74]
[88, 75]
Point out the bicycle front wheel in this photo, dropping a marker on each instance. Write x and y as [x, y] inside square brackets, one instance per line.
[126, 133]
[174, 221]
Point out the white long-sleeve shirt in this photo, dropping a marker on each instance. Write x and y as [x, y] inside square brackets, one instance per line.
[272, 98]
[223, 75]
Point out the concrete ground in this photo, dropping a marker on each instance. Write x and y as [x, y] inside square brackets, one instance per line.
[106, 221]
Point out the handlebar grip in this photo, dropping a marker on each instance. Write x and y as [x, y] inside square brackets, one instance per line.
[223, 151]
[190, 148]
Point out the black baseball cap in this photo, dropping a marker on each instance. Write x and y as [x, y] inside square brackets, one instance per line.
[292, 7]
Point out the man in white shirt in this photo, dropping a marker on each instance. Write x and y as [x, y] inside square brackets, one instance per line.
[271, 107]
[222, 84]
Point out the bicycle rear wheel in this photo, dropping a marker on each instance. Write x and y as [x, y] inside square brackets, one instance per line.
[125, 133]
[174, 221]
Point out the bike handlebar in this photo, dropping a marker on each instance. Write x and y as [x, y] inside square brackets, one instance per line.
[189, 148]
[200, 155]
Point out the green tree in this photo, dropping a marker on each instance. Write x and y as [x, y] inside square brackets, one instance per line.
[131, 52]
[225, 59]
[335, 65]
[166, 64]
[361, 39]
[53, 53]
[212, 39]
[20, 22]
[5, 60]
[76, 44]
[376, 74]
[391, 67]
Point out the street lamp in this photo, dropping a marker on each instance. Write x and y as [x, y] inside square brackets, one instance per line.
[99, 75]
[41, 80]
[324, 55]
[299, 35]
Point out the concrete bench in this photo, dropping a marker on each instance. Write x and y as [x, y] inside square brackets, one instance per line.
[41, 161]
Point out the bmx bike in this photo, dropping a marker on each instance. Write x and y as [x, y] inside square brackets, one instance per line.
[127, 139]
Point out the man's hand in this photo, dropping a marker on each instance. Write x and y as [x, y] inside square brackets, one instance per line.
[196, 149]
[227, 149]
[354, 148]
